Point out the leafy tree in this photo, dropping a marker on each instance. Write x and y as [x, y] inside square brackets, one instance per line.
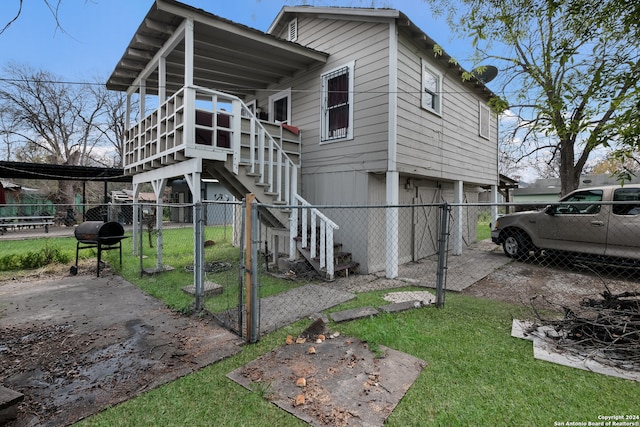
[570, 70]
[49, 121]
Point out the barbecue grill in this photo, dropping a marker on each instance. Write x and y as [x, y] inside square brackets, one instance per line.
[105, 236]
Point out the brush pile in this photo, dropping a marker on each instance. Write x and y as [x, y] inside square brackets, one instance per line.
[605, 329]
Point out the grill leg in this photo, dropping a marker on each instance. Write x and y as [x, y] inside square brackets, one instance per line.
[99, 258]
[77, 250]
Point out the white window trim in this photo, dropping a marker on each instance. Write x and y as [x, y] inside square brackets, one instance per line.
[484, 112]
[323, 117]
[251, 105]
[426, 67]
[276, 97]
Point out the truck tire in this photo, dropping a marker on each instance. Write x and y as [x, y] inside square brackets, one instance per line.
[516, 245]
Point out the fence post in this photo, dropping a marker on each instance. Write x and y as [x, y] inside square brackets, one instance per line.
[250, 266]
[255, 245]
[198, 256]
[139, 223]
[241, 265]
[443, 241]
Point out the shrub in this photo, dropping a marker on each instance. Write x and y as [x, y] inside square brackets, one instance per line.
[50, 254]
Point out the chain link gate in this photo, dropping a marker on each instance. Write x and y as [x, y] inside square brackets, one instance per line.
[274, 290]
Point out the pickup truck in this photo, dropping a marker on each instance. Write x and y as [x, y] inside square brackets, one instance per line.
[597, 221]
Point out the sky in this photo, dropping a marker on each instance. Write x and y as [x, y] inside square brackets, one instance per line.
[96, 32]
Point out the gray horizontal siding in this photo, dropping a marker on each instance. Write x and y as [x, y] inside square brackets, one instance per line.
[446, 147]
[367, 44]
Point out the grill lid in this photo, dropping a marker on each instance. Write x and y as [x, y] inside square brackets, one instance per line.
[98, 231]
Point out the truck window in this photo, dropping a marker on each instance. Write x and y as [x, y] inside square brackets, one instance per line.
[631, 195]
[576, 203]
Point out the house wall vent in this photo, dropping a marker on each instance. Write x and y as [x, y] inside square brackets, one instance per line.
[292, 35]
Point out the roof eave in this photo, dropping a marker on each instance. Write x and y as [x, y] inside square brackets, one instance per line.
[401, 20]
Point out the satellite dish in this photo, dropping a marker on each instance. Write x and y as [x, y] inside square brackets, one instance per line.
[488, 73]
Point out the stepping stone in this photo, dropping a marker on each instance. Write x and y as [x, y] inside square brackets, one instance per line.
[397, 307]
[156, 270]
[210, 289]
[353, 314]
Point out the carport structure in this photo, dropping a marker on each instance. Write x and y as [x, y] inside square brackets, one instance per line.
[23, 170]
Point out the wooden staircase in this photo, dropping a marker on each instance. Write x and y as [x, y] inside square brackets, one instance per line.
[343, 263]
[244, 154]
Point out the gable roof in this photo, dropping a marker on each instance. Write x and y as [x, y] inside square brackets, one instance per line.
[228, 56]
[287, 13]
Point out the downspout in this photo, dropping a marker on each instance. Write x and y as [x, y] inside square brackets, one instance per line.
[393, 177]
[495, 189]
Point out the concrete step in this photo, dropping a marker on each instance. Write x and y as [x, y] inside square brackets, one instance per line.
[9, 401]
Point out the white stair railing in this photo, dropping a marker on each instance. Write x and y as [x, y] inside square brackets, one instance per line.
[322, 245]
[268, 161]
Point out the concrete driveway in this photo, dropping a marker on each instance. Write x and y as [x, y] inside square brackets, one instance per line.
[78, 344]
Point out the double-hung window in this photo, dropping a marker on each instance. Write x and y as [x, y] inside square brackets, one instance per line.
[431, 89]
[337, 104]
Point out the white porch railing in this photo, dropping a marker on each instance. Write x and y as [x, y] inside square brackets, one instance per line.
[200, 122]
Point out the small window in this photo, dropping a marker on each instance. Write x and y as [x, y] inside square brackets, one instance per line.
[280, 107]
[337, 104]
[484, 125]
[292, 34]
[431, 89]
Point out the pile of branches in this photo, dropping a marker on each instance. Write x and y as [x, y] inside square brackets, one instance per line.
[606, 329]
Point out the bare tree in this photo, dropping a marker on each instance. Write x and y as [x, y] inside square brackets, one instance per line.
[113, 123]
[51, 121]
[53, 6]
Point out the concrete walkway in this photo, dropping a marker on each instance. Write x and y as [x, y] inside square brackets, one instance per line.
[476, 262]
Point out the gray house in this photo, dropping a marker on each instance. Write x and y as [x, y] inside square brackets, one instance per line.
[331, 106]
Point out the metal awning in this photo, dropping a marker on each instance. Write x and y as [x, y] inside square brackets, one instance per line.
[23, 170]
[228, 56]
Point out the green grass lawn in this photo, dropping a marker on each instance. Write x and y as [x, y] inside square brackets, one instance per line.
[476, 373]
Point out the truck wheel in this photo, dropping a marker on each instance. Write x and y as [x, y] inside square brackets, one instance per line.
[516, 245]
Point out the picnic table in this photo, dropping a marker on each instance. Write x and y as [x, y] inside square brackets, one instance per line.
[27, 221]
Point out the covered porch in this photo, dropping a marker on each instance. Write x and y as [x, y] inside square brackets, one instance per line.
[190, 79]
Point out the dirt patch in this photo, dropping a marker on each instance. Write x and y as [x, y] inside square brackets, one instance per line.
[341, 382]
[551, 286]
[74, 345]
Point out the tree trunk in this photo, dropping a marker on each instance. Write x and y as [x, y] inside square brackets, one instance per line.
[569, 173]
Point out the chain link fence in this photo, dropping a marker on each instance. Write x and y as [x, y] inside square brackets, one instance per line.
[256, 276]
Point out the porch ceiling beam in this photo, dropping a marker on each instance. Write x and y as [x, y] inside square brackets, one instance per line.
[149, 41]
[250, 69]
[255, 82]
[261, 74]
[128, 74]
[175, 83]
[158, 26]
[131, 65]
[115, 81]
[139, 53]
[152, 64]
[215, 81]
[249, 55]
